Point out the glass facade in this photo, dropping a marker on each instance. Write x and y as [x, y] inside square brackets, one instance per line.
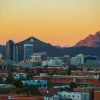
[19, 52]
[28, 51]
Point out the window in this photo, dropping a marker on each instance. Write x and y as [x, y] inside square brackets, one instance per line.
[44, 85]
[64, 95]
[73, 96]
[68, 95]
[55, 98]
[85, 96]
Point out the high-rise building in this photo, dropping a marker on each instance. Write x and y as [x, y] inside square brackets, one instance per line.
[23, 50]
[28, 51]
[10, 50]
[18, 53]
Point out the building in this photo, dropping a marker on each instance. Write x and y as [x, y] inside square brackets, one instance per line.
[28, 51]
[37, 58]
[96, 95]
[23, 50]
[52, 62]
[10, 50]
[18, 53]
[20, 76]
[0, 56]
[74, 95]
[50, 96]
[66, 60]
[19, 97]
[63, 80]
[89, 58]
[78, 59]
[37, 83]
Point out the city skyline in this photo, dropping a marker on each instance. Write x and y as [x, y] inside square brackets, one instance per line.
[58, 22]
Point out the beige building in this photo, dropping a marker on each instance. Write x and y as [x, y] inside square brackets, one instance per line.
[38, 57]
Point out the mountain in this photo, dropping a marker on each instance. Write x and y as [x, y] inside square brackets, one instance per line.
[90, 41]
[58, 46]
[40, 46]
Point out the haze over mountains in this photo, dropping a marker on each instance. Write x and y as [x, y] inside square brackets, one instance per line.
[90, 41]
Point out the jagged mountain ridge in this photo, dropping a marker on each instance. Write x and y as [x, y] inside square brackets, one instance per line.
[90, 41]
[40, 46]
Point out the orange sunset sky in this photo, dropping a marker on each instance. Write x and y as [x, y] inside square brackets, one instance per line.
[59, 22]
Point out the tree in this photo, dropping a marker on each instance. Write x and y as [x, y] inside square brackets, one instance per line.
[51, 74]
[72, 86]
[9, 78]
[17, 83]
[47, 72]
[50, 85]
[68, 71]
[1, 80]
[39, 83]
[30, 89]
[30, 75]
[27, 70]
[12, 68]
[54, 71]
[99, 77]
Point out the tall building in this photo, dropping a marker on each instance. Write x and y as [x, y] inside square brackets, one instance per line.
[23, 50]
[18, 53]
[28, 51]
[10, 50]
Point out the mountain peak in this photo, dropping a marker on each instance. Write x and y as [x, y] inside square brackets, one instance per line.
[97, 33]
[90, 41]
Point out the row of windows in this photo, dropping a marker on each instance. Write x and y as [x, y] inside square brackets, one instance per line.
[72, 96]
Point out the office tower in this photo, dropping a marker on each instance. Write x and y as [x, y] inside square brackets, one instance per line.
[28, 51]
[23, 50]
[18, 53]
[10, 50]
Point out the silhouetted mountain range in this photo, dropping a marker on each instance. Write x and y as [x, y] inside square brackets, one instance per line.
[90, 41]
[40, 46]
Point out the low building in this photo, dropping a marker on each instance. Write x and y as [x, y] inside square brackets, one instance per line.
[50, 96]
[37, 83]
[20, 97]
[78, 59]
[7, 86]
[20, 75]
[96, 95]
[37, 57]
[52, 62]
[74, 95]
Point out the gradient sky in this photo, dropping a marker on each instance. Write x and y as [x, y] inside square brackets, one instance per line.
[59, 22]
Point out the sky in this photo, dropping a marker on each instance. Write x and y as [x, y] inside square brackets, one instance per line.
[59, 22]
